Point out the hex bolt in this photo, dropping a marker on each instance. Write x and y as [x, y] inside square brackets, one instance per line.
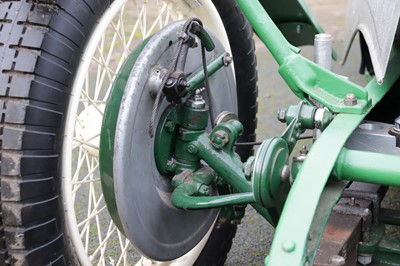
[352, 201]
[397, 124]
[196, 102]
[282, 115]
[364, 259]
[192, 149]
[169, 126]
[204, 190]
[220, 139]
[171, 166]
[337, 260]
[350, 99]
[227, 59]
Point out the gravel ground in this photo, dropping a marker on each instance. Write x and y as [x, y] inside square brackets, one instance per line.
[255, 235]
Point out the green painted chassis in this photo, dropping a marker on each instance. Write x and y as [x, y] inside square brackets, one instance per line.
[291, 245]
[307, 79]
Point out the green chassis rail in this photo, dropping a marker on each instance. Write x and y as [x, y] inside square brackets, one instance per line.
[289, 246]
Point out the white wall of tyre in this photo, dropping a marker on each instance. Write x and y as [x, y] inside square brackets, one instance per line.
[183, 8]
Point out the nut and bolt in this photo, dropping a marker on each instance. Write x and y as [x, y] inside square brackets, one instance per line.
[220, 139]
[248, 167]
[282, 115]
[227, 59]
[169, 126]
[337, 260]
[352, 201]
[196, 102]
[350, 99]
[171, 166]
[364, 259]
[322, 118]
[169, 82]
[397, 124]
[204, 190]
[192, 149]
[184, 83]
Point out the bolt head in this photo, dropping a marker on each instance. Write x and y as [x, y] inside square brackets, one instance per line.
[220, 139]
[196, 102]
[171, 166]
[350, 99]
[282, 116]
[289, 246]
[169, 126]
[204, 190]
[227, 59]
[397, 124]
[192, 149]
[364, 259]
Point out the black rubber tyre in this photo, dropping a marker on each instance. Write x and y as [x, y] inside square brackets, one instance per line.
[41, 42]
[242, 44]
[240, 36]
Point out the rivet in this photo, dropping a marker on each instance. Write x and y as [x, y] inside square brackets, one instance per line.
[288, 246]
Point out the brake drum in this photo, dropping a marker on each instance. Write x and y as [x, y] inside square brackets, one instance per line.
[137, 195]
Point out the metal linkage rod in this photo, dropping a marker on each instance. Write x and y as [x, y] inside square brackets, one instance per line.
[377, 168]
[231, 172]
[181, 199]
[213, 66]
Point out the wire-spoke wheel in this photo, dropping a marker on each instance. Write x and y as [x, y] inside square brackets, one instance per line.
[60, 59]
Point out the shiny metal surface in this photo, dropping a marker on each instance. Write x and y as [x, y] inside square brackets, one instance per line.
[374, 137]
[377, 20]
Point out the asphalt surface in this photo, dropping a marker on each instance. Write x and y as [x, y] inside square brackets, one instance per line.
[254, 236]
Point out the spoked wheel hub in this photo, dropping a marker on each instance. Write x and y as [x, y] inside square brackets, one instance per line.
[137, 195]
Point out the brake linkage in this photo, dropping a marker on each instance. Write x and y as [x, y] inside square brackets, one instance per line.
[174, 84]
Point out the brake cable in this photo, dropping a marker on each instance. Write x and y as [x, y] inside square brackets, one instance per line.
[174, 82]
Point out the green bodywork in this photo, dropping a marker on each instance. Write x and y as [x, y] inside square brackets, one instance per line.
[181, 144]
[295, 20]
[305, 78]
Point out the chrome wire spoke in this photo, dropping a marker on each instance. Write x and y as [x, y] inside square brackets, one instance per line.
[90, 172]
[157, 21]
[111, 229]
[94, 104]
[124, 248]
[85, 223]
[86, 181]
